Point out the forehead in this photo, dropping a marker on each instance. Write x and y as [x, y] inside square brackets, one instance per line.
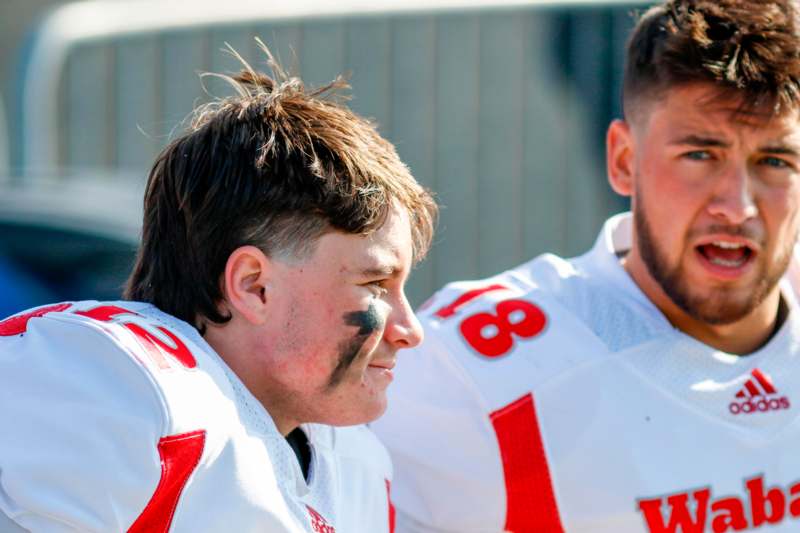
[702, 108]
[389, 247]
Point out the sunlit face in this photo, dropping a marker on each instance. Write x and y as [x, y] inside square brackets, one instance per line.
[342, 316]
[715, 200]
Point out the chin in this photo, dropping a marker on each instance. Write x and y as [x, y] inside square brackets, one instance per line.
[373, 413]
[363, 414]
[378, 412]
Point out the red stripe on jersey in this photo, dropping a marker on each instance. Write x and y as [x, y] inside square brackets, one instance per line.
[392, 518]
[530, 499]
[751, 388]
[764, 380]
[105, 313]
[450, 310]
[17, 325]
[179, 457]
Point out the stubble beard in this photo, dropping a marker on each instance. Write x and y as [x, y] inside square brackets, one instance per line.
[718, 305]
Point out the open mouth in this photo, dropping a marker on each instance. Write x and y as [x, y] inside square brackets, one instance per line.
[726, 254]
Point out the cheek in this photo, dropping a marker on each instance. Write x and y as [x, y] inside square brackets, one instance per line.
[779, 210]
[371, 324]
[368, 321]
[675, 194]
[672, 183]
[786, 237]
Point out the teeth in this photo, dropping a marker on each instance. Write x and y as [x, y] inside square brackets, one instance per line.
[726, 263]
[728, 245]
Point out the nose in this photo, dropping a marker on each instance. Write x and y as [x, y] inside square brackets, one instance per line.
[403, 330]
[733, 201]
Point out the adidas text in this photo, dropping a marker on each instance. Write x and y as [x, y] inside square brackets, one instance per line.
[759, 405]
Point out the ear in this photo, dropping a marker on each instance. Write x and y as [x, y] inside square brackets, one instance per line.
[620, 163]
[247, 275]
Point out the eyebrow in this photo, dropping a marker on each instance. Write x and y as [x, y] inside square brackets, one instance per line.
[381, 271]
[711, 142]
[698, 140]
[780, 150]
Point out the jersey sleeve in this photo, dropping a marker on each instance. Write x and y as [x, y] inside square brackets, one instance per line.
[81, 423]
[448, 475]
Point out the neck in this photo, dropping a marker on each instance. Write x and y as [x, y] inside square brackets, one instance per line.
[250, 371]
[741, 337]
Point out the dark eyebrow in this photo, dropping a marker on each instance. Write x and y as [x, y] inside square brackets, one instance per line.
[779, 150]
[697, 140]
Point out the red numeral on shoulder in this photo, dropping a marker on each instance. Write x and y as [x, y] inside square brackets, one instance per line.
[449, 310]
[492, 334]
[156, 348]
[18, 324]
[155, 344]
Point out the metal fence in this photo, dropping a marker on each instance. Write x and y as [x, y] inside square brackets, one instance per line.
[499, 107]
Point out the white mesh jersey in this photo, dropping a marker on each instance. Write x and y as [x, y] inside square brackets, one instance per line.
[555, 397]
[118, 417]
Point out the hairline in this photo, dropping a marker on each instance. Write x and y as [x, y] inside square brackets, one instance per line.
[637, 108]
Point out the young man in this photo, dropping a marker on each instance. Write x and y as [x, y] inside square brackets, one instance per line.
[265, 310]
[653, 384]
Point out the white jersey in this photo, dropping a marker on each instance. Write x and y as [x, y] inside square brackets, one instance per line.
[556, 397]
[118, 417]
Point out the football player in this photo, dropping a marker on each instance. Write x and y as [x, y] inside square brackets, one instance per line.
[265, 311]
[652, 384]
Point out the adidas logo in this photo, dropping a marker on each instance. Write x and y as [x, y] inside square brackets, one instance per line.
[758, 395]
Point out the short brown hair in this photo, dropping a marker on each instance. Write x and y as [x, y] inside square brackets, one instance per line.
[275, 166]
[748, 49]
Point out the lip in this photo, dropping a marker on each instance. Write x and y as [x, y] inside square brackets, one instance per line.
[383, 365]
[381, 372]
[725, 237]
[383, 369]
[725, 273]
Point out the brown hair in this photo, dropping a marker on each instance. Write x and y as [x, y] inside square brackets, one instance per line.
[275, 166]
[748, 49]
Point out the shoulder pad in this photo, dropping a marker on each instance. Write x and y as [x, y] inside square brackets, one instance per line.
[503, 336]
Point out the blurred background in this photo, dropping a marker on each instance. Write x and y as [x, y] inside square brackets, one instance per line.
[498, 106]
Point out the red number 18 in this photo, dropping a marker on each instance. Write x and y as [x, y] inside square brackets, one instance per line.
[492, 335]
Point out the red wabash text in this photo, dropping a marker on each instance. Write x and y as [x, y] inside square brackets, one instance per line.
[761, 506]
